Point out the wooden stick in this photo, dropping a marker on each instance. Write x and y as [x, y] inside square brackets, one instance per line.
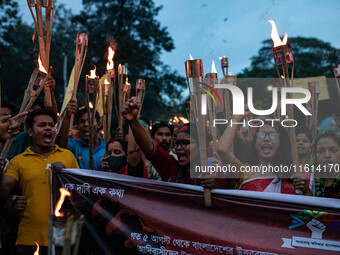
[79, 231]
[336, 80]
[140, 92]
[0, 101]
[82, 42]
[68, 236]
[50, 234]
[194, 71]
[122, 72]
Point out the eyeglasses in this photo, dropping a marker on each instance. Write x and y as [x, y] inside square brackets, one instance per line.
[181, 143]
[272, 135]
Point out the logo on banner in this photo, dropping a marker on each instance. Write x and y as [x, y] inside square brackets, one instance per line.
[316, 222]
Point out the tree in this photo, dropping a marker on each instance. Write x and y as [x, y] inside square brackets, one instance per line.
[312, 57]
[139, 38]
[16, 52]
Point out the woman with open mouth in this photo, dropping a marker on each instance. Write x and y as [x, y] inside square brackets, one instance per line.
[269, 149]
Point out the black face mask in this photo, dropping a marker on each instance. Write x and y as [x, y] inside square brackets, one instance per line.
[117, 163]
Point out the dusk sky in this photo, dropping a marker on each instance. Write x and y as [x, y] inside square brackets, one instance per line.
[235, 29]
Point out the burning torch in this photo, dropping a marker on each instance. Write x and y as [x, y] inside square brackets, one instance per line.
[194, 75]
[283, 56]
[92, 90]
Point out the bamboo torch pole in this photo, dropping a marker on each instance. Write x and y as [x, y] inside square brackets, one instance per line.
[194, 74]
[122, 75]
[211, 79]
[110, 76]
[283, 56]
[38, 77]
[92, 89]
[336, 71]
[140, 92]
[44, 39]
[80, 55]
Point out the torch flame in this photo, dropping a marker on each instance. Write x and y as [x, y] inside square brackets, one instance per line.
[63, 194]
[33, 37]
[106, 82]
[213, 68]
[93, 73]
[184, 120]
[109, 64]
[230, 73]
[91, 105]
[37, 251]
[41, 68]
[221, 57]
[191, 58]
[176, 120]
[275, 35]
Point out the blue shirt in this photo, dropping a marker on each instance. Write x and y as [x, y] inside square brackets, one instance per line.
[80, 149]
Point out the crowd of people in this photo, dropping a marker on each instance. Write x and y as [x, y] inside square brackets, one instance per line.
[163, 154]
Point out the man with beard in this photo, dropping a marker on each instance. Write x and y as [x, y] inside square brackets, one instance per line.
[31, 170]
[162, 132]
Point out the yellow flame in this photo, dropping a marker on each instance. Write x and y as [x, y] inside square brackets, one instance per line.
[63, 193]
[282, 77]
[230, 73]
[221, 57]
[93, 73]
[91, 105]
[176, 120]
[106, 82]
[191, 58]
[110, 64]
[213, 68]
[41, 68]
[275, 35]
[184, 120]
[58, 114]
[37, 251]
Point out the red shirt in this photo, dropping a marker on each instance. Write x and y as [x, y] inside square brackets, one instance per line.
[167, 166]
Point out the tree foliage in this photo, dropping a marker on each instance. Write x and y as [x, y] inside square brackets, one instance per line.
[128, 25]
[312, 57]
[132, 28]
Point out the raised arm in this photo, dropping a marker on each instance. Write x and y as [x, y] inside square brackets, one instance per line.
[224, 147]
[130, 110]
[62, 138]
[51, 84]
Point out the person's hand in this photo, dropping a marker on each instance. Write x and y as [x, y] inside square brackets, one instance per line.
[2, 164]
[130, 109]
[19, 203]
[50, 82]
[247, 113]
[210, 183]
[105, 164]
[300, 182]
[57, 166]
[71, 107]
[10, 127]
